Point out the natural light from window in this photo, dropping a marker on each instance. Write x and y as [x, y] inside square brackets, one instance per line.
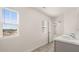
[10, 22]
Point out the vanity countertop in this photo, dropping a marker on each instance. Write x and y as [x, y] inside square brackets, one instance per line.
[67, 40]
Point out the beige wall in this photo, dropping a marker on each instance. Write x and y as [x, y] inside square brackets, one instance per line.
[31, 36]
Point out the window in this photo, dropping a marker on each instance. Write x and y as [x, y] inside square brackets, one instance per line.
[10, 22]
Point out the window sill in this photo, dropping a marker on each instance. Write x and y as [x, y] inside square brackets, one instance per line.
[12, 36]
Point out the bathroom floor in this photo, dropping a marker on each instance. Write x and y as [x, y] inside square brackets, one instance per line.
[46, 48]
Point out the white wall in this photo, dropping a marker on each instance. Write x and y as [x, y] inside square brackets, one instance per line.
[70, 21]
[31, 36]
[77, 23]
[1, 33]
[59, 25]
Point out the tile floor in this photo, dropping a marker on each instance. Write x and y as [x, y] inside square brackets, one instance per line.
[46, 48]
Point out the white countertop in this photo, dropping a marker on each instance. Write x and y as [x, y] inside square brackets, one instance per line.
[67, 40]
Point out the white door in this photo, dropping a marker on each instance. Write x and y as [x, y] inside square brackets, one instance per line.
[45, 29]
[51, 31]
[48, 30]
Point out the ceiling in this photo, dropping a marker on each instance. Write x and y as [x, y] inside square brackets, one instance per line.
[55, 11]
